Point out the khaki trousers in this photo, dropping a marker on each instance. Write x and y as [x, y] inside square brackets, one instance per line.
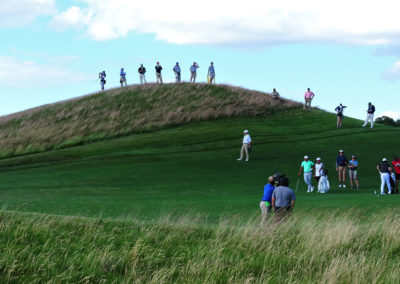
[265, 211]
[159, 78]
[245, 149]
[193, 77]
[307, 104]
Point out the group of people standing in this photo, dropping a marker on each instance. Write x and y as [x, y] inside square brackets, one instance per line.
[158, 69]
[370, 115]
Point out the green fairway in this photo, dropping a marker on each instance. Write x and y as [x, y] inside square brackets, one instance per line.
[193, 168]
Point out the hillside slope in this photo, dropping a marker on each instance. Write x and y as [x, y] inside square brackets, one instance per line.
[118, 112]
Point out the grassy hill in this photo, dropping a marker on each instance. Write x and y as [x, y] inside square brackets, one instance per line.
[164, 200]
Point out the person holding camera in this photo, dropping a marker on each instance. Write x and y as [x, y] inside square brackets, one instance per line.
[283, 199]
[307, 166]
[266, 201]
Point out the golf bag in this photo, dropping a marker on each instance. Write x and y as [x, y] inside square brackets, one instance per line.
[323, 184]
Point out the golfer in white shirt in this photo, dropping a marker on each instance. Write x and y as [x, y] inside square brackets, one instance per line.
[246, 145]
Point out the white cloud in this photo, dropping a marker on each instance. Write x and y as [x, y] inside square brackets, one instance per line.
[395, 115]
[393, 73]
[22, 12]
[239, 22]
[15, 72]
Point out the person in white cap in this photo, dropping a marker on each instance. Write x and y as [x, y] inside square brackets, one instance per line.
[341, 163]
[319, 168]
[246, 145]
[385, 170]
[353, 166]
[307, 166]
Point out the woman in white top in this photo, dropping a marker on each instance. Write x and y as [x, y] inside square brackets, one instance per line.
[319, 169]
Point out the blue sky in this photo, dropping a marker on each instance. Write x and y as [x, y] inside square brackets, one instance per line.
[53, 50]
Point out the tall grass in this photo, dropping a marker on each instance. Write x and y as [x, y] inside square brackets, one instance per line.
[134, 109]
[335, 248]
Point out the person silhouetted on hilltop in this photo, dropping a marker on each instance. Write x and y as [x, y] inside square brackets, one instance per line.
[385, 170]
[142, 72]
[370, 115]
[283, 199]
[266, 201]
[193, 72]
[245, 146]
[158, 73]
[275, 95]
[102, 77]
[341, 163]
[211, 73]
[177, 71]
[122, 77]
[339, 112]
[308, 97]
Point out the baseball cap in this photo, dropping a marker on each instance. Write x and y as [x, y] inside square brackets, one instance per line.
[246, 131]
[318, 159]
[384, 160]
[305, 157]
[353, 156]
[341, 151]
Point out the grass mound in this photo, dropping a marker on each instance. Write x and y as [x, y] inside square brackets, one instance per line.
[119, 112]
[325, 248]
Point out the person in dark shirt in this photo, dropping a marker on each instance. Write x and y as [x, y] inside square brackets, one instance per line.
[339, 112]
[158, 73]
[385, 170]
[370, 115]
[341, 163]
[142, 72]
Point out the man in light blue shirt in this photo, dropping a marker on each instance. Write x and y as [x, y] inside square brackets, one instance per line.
[307, 166]
[211, 73]
[177, 70]
[353, 166]
[266, 201]
[193, 72]
[122, 76]
[283, 199]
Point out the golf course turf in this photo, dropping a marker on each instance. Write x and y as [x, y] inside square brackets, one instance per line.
[166, 197]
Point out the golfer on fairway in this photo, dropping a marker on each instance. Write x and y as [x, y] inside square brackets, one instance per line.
[353, 165]
[307, 166]
[266, 200]
[308, 97]
[341, 162]
[245, 146]
[339, 112]
[396, 167]
[283, 199]
[385, 170]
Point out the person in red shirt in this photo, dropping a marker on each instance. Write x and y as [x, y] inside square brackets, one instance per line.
[396, 167]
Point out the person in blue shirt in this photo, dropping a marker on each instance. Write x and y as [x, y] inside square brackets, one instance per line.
[122, 76]
[211, 73]
[353, 165]
[193, 72]
[177, 70]
[266, 201]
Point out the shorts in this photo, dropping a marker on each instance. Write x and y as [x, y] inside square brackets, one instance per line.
[342, 168]
[353, 174]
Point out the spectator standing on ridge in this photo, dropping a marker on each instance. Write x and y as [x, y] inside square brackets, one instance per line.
[275, 95]
[193, 72]
[266, 201]
[158, 73]
[283, 199]
[396, 167]
[177, 70]
[341, 162]
[319, 170]
[308, 97]
[307, 166]
[370, 115]
[385, 170]
[353, 166]
[245, 146]
[122, 77]
[142, 72]
[339, 112]
[102, 77]
[211, 73]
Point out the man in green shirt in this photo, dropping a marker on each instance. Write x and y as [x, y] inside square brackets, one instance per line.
[307, 166]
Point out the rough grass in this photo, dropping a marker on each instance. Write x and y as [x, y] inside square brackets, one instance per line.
[119, 112]
[324, 248]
